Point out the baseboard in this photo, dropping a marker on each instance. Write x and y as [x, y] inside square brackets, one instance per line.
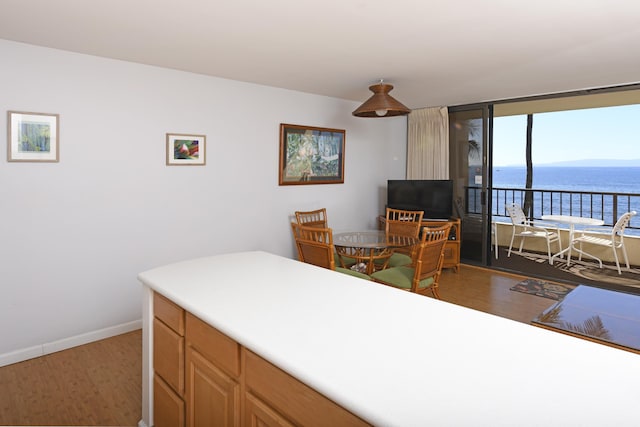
[141, 423]
[65, 343]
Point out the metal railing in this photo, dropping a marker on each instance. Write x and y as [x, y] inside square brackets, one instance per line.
[605, 206]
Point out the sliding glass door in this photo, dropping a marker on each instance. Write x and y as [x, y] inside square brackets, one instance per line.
[469, 169]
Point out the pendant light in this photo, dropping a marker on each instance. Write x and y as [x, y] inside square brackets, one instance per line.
[381, 104]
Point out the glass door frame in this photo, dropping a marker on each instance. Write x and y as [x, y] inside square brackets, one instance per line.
[485, 112]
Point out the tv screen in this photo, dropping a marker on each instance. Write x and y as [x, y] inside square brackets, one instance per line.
[433, 197]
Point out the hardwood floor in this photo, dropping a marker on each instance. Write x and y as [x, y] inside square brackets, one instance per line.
[488, 291]
[99, 384]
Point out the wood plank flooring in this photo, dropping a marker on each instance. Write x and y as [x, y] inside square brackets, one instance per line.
[488, 291]
[99, 384]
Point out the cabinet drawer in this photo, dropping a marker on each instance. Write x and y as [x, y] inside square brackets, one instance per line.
[295, 400]
[168, 355]
[171, 314]
[168, 407]
[258, 413]
[213, 344]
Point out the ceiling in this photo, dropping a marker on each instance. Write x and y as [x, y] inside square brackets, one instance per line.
[433, 52]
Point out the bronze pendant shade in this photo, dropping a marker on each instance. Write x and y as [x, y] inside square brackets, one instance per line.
[381, 104]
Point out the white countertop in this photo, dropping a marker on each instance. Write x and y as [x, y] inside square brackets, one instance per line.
[401, 359]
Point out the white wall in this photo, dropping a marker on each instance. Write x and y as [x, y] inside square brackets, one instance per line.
[75, 234]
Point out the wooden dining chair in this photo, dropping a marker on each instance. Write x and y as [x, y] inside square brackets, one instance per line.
[315, 246]
[317, 218]
[424, 272]
[402, 223]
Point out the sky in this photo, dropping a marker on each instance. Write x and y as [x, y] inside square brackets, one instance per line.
[594, 133]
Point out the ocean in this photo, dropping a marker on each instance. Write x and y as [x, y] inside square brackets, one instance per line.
[620, 180]
[596, 179]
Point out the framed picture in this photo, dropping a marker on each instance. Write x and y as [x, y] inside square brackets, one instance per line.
[311, 155]
[32, 137]
[186, 150]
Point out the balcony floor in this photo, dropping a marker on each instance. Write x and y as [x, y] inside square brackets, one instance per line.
[580, 272]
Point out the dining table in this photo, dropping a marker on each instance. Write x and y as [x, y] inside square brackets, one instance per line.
[572, 221]
[370, 248]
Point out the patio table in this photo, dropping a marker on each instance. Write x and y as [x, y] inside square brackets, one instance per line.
[572, 221]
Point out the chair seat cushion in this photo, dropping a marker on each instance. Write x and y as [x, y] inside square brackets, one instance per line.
[399, 260]
[353, 273]
[400, 277]
[348, 261]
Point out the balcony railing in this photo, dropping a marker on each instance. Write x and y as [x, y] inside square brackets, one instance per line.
[605, 206]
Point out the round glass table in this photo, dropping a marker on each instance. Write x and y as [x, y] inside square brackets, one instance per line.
[370, 248]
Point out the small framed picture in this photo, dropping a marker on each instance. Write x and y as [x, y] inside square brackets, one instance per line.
[311, 155]
[186, 150]
[32, 137]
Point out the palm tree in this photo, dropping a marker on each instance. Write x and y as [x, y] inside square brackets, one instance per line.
[528, 195]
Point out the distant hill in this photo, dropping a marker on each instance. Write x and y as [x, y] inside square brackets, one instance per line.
[595, 163]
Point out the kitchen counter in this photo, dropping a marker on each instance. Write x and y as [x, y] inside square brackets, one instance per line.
[395, 358]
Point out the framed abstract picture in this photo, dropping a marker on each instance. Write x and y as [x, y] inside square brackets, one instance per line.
[186, 150]
[311, 155]
[32, 137]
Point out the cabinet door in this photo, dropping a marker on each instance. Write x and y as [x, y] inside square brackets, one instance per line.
[259, 414]
[168, 355]
[168, 407]
[213, 398]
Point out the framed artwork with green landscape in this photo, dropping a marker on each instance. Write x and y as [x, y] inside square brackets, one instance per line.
[311, 155]
[32, 137]
[186, 150]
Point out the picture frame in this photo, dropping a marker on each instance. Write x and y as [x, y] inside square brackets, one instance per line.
[33, 137]
[311, 155]
[186, 150]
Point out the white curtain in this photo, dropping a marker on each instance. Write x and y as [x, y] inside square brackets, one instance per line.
[428, 144]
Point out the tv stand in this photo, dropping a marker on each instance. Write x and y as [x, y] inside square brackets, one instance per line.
[451, 248]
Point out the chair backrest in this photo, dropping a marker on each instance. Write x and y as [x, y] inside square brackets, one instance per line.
[315, 245]
[516, 214]
[317, 218]
[429, 256]
[622, 223]
[403, 222]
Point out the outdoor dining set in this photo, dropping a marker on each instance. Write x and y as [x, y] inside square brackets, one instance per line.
[591, 232]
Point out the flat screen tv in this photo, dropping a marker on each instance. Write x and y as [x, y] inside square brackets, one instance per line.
[433, 197]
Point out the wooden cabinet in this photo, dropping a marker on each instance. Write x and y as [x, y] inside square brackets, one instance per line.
[168, 356]
[213, 371]
[286, 401]
[451, 248]
[168, 406]
[227, 385]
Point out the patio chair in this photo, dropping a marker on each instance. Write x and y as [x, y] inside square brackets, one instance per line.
[424, 272]
[315, 246]
[524, 228]
[494, 238]
[614, 240]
